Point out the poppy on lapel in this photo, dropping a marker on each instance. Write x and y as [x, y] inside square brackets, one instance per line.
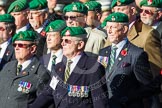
[125, 64]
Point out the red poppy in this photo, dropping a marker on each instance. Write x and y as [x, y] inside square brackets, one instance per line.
[124, 52]
[161, 72]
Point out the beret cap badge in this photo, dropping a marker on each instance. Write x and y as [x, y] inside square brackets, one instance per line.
[20, 37]
[113, 18]
[50, 29]
[118, 3]
[67, 33]
[149, 2]
[74, 7]
[16, 7]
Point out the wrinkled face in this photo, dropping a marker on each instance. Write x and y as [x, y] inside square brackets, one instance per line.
[123, 9]
[4, 32]
[2, 10]
[36, 18]
[24, 50]
[148, 15]
[53, 40]
[71, 46]
[115, 31]
[51, 4]
[21, 19]
[75, 19]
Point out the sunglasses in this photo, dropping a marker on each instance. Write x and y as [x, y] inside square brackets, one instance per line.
[71, 17]
[149, 12]
[20, 45]
[2, 29]
[67, 41]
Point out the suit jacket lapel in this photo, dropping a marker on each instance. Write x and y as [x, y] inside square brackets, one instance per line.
[135, 29]
[120, 57]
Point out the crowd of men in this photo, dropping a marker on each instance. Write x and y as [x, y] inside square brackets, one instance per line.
[85, 54]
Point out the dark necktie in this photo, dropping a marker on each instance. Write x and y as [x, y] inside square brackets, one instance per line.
[54, 59]
[19, 67]
[67, 70]
[112, 57]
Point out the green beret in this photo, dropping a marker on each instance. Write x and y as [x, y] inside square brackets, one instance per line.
[93, 6]
[117, 17]
[121, 2]
[7, 18]
[56, 26]
[76, 7]
[38, 4]
[17, 6]
[25, 36]
[74, 32]
[151, 3]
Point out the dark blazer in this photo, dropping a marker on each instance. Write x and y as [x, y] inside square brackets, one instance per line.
[12, 93]
[45, 59]
[8, 55]
[130, 71]
[88, 72]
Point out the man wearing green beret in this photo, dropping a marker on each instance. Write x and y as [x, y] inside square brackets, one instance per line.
[76, 16]
[151, 14]
[94, 13]
[126, 65]
[78, 78]
[141, 32]
[24, 78]
[7, 30]
[19, 9]
[37, 14]
[53, 40]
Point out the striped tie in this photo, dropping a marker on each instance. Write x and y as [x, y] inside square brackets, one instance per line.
[54, 59]
[19, 67]
[112, 57]
[67, 70]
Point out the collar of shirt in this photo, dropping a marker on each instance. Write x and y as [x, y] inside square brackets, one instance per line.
[39, 29]
[155, 25]
[25, 64]
[75, 61]
[3, 48]
[131, 24]
[120, 45]
[59, 55]
[22, 29]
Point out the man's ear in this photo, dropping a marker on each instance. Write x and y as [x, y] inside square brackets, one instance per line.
[81, 45]
[125, 29]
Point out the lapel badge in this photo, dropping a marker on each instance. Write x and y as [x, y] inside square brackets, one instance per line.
[119, 58]
[7, 53]
[24, 73]
[59, 69]
[75, 8]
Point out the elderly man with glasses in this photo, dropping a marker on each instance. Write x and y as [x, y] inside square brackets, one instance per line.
[76, 15]
[151, 14]
[79, 79]
[22, 79]
[7, 30]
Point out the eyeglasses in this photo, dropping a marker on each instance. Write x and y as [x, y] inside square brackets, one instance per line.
[149, 12]
[2, 29]
[67, 41]
[20, 45]
[71, 17]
